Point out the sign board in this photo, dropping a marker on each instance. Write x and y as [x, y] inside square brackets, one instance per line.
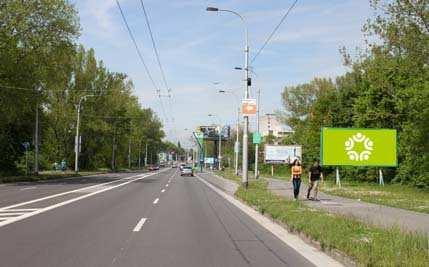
[237, 147]
[212, 132]
[282, 154]
[358, 147]
[248, 107]
[209, 160]
[256, 138]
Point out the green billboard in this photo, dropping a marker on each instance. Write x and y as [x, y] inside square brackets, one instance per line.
[358, 147]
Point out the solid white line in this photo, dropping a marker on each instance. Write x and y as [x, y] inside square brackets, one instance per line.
[166, 185]
[16, 210]
[313, 255]
[28, 188]
[163, 190]
[27, 215]
[11, 213]
[76, 190]
[139, 225]
[156, 201]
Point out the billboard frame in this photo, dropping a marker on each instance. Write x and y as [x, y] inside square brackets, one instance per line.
[279, 162]
[363, 129]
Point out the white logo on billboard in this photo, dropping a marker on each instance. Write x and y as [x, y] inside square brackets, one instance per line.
[361, 155]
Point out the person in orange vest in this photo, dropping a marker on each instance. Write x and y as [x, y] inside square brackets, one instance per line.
[295, 177]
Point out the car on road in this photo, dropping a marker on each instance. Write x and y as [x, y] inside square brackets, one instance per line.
[154, 168]
[186, 171]
[181, 166]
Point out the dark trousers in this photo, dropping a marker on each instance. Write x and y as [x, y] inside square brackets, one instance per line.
[296, 185]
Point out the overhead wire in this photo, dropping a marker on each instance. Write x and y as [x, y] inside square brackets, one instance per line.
[157, 56]
[158, 91]
[274, 30]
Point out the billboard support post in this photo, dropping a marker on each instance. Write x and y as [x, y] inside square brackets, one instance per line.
[380, 177]
[272, 170]
[337, 177]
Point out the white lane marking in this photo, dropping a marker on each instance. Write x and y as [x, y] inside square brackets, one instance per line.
[163, 190]
[156, 201]
[11, 213]
[139, 225]
[27, 215]
[28, 188]
[74, 191]
[166, 185]
[17, 210]
[313, 255]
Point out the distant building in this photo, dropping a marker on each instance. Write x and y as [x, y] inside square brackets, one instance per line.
[270, 125]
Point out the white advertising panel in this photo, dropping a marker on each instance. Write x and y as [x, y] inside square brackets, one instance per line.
[282, 154]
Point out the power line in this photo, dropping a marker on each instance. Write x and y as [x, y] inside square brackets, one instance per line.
[158, 91]
[275, 30]
[154, 47]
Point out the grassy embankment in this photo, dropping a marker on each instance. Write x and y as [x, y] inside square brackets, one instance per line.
[47, 175]
[365, 244]
[394, 195]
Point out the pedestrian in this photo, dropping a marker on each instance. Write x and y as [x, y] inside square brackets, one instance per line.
[314, 175]
[295, 178]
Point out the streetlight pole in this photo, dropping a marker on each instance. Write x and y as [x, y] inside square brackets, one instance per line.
[244, 177]
[77, 141]
[257, 131]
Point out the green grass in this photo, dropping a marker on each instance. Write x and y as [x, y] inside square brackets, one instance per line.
[47, 175]
[394, 195]
[366, 245]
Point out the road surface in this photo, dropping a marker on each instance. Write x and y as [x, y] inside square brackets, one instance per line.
[134, 219]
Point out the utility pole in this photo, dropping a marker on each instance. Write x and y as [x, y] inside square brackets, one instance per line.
[219, 149]
[257, 131]
[145, 157]
[237, 143]
[129, 153]
[140, 154]
[36, 141]
[77, 137]
[247, 80]
[113, 147]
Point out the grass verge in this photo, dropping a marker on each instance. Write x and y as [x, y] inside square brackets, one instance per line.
[50, 175]
[366, 245]
[394, 195]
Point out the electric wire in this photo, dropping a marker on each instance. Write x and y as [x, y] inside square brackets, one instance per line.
[274, 31]
[158, 91]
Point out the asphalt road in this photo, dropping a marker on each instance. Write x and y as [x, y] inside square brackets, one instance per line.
[132, 220]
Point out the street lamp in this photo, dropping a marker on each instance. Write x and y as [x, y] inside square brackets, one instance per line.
[247, 80]
[237, 143]
[77, 139]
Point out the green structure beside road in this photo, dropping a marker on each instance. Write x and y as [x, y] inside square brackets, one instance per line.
[358, 147]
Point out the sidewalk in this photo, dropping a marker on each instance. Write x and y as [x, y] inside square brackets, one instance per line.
[378, 215]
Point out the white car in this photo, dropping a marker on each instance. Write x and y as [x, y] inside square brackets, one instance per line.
[186, 171]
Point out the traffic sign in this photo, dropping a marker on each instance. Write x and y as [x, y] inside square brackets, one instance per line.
[256, 138]
[358, 147]
[248, 107]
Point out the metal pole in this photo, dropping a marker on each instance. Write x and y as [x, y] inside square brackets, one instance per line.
[236, 147]
[129, 153]
[145, 157]
[244, 177]
[140, 154]
[76, 139]
[257, 130]
[219, 149]
[36, 142]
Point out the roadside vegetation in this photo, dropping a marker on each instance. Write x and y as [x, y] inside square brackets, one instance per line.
[47, 175]
[45, 70]
[394, 195]
[365, 244]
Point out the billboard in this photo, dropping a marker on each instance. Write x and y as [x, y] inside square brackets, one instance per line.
[212, 133]
[248, 107]
[358, 147]
[282, 154]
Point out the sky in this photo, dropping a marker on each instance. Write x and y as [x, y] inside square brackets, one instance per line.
[199, 51]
